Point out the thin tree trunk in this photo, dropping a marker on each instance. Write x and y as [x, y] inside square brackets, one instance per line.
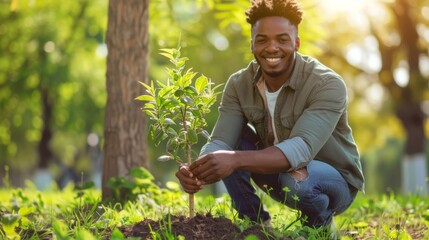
[413, 169]
[42, 177]
[127, 62]
[45, 153]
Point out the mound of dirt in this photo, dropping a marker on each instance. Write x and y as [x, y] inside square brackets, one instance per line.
[201, 226]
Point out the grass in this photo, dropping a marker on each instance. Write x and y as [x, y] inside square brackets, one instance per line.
[74, 213]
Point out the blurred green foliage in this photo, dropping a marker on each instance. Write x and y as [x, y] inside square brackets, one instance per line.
[50, 47]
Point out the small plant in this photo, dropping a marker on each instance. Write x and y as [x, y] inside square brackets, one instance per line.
[177, 109]
[140, 182]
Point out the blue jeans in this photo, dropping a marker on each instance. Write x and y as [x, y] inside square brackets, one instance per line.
[323, 194]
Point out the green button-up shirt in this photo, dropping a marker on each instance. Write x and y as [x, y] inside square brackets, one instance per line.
[310, 117]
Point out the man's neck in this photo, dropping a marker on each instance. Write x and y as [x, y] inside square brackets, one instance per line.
[275, 83]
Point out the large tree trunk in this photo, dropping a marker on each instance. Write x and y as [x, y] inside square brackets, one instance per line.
[127, 61]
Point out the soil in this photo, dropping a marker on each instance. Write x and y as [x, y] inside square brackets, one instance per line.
[201, 226]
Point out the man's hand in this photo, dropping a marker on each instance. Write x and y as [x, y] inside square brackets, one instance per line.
[189, 183]
[213, 167]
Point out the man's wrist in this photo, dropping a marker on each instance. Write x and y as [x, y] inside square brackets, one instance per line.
[239, 160]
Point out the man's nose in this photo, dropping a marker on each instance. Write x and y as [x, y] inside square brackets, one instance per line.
[272, 47]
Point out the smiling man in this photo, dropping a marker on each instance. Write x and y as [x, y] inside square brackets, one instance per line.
[283, 124]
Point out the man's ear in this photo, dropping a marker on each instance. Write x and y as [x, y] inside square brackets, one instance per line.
[251, 45]
[297, 43]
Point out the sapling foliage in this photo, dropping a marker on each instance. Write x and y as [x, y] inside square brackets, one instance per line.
[177, 109]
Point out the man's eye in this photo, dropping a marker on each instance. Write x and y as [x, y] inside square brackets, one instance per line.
[284, 40]
[260, 41]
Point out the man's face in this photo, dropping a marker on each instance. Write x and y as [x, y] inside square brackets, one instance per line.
[274, 42]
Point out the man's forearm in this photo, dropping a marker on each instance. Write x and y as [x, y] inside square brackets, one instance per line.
[268, 160]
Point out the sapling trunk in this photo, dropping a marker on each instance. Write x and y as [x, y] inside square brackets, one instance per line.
[191, 195]
[188, 155]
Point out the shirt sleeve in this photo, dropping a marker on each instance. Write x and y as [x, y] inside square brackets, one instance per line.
[326, 105]
[214, 146]
[231, 118]
[296, 151]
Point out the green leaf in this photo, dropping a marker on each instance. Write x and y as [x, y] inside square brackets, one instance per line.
[206, 134]
[172, 185]
[141, 172]
[171, 145]
[147, 98]
[115, 182]
[169, 121]
[193, 137]
[25, 210]
[167, 55]
[187, 100]
[86, 185]
[191, 90]
[361, 224]
[201, 83]
[160, 136]
[149, 89]
[117, 235]
[83, 234]
[187, 78]
[196, 113]
[171, 132]
[60, 230]
[10, 219]
[171, 51]
[251, 237]
[295, 197]
[179, 93]
[148, 106]
[181, 62]
[130, 185]
[165, 158]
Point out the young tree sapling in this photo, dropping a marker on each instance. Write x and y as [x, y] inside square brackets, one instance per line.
[177, 109]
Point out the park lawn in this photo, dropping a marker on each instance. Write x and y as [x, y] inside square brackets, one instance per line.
[74, 213]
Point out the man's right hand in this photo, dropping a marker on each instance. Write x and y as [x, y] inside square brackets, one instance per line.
[189, 183]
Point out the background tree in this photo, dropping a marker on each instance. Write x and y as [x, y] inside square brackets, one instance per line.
[125, 134]
[385, 60]
[409, 89]
[43, 124]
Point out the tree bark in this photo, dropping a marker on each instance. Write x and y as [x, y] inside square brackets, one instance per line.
[127, 63]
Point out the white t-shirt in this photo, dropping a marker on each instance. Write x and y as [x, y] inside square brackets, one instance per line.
[271, 102]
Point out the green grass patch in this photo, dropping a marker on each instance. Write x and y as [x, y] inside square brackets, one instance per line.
[78, 213]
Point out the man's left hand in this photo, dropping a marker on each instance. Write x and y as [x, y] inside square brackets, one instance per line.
[214, 166]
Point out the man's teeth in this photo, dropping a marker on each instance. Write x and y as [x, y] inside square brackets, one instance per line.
[272, 59]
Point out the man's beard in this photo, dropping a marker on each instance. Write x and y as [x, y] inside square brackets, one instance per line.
[291, 61]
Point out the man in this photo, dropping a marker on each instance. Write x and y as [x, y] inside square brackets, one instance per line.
[282, 123]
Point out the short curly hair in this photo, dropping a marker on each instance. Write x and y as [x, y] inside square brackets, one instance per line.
[288, 9]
